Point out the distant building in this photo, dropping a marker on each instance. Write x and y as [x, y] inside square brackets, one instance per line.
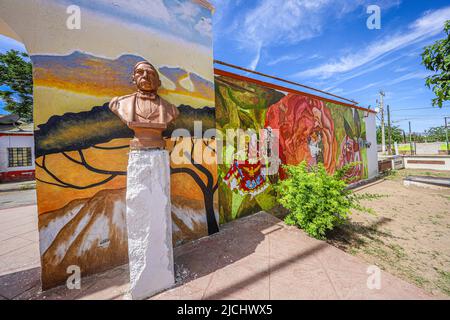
[16, 150]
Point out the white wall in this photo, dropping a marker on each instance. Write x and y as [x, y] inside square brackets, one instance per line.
[371, 136]
[429, 166]
[15, 141]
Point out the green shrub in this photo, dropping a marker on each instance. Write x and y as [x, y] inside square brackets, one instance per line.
[317, 201]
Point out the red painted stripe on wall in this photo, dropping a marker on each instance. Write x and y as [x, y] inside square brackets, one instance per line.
[16, 135]
[16, 176]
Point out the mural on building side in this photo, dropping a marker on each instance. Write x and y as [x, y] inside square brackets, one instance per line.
[309, 129]
[82, 148]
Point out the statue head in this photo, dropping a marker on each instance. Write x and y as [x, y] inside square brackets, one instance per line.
[146, 77]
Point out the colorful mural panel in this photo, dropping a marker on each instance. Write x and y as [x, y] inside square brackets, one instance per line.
[309, 128]
[82, 148]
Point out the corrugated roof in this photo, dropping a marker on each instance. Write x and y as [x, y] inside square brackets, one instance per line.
[9, 118]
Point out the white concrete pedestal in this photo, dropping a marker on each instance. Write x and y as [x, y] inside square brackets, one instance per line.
[149, 223]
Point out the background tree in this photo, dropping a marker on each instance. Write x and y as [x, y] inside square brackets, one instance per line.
[16, 76]
[397, 134]
[436, 57]
[435, 134]
[416, 137]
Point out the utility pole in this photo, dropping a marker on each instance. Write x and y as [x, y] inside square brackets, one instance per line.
[410, 139]
[389, 131]
[446, 133]
[383, 137]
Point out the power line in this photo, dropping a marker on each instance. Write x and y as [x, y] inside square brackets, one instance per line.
[422, 108]
[409, 119]
[420, 116]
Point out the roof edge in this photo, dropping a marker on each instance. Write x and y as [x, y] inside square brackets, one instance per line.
[220, 72]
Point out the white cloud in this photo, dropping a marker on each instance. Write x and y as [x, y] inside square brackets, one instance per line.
[337, 90]
[187, 11]
[384, 83]
[257, 57]
[368, 86]
[287, 22]
[290, 21]
[376, 65]
[204, 26]
[423, 28]
[401, 69]
[285, 58]
[154, 8]
[409, 76]
[272, 23]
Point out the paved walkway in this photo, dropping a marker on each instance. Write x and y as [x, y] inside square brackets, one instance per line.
[257, 257]
[17, 194]
[17, 186]
[261, 258]
[19, 239]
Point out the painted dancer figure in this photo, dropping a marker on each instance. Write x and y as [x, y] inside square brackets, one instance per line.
[247, 173]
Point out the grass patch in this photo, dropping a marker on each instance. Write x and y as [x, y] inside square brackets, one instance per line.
[398, 250]
[443, 282]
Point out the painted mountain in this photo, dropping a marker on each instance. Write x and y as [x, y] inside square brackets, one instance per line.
[97, 76]
[80, 232]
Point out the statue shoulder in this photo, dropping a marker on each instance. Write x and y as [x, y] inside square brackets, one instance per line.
[171, 110]
[169, 106]
[115, 102]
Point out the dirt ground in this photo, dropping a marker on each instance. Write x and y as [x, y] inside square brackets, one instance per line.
[409, 235]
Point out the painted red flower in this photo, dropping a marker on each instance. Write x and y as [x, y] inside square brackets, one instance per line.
[351, 152]
[306, 131]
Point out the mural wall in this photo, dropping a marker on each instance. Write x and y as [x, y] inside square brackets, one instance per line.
[310, 129]
[81, 147]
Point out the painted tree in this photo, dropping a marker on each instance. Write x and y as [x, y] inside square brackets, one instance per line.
[77, 132]
[209, 187]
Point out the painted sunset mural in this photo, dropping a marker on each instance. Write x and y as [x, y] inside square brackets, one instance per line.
[82, 148]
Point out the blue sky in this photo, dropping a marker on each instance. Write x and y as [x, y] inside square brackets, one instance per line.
[326, 44]
[5, 45]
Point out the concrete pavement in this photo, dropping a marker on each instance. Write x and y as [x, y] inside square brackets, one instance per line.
[257, 257]
[19, 239]
[17, 194]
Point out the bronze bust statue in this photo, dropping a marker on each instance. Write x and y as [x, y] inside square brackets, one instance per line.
[144, 111]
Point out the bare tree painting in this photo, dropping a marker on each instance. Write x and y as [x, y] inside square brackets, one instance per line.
[85, 229]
